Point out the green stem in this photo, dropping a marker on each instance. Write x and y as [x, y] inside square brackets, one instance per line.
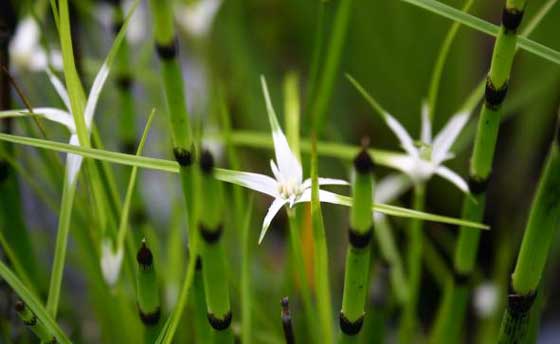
[214, 270]
[326, 82]
[358, 253]
[482, 157]
[298, 263]
[36, 325]
[409, 326]
[539, 233]
[147, 291]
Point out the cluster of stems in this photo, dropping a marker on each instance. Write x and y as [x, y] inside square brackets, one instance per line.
[358, 253]
[452, 309]
[214, 271]
[542, 225]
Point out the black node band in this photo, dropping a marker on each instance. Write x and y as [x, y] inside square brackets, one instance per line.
[211, 236]
[151, 318]
[519, 305]
[350, 328]
[511, 19]
[117, 26]
[219, 324]
[477, 186]
[461, 278]
[198, 263]
[494, 97]
[167, 51]
[363, 163]
[124, 82]
[359, 240]
[183, 156]
[31, 322]
[128, 147]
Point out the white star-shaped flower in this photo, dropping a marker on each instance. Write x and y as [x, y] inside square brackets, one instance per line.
[426, 157]
[26, 51]
[287, 187]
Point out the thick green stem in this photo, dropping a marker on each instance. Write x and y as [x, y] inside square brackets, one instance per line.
[147, 291]
[543, 222]
[358, 253]
[409, 326]
[214, 269]
[484, 147]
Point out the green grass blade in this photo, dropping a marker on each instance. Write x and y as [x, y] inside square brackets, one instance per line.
[32, 302]
[485, 27]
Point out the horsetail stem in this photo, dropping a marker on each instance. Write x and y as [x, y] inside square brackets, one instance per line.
[539, 233]
[287, 321]
[124, 83]
[480, 168]
[31, 321]
[214, 270]
[358, 253]
[147, 287]
[203, 331]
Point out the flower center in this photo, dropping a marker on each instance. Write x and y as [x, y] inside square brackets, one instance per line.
[289, 189]
[425, 151]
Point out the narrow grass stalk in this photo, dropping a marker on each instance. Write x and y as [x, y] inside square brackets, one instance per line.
[214, 269]
[481, 164]
[298, 267]
[147, 291]
[325, 82]
[31, 321]
[11, 219]
[409, 326]
[203, 331]
[287, 321]
[246, 283]
[358, 253]
[542, 225]
[321, 258]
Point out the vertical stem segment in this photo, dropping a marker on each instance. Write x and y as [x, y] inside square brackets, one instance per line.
[147, 287]
[214, 270]
[543, 222]
[287, 321]
[483, 154]
[358, 253]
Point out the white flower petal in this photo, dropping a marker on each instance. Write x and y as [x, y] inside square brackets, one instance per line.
[73, 161]
[453, 177]
[60, 89]
[401, 162]
[55, 59]
[94, 93]
[197, 18]
[272, 211]
[406, 141]
[324, 181]
[25, 41]
[111, 262]
[57, 115]
[447, 136]
[426, 131]
[324, 197]
[254, 181]
[275, 172]
[287, 162]
[37, 61]
[391, 187]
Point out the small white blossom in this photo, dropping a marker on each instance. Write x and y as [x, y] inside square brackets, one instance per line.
[111, 261]
[426, 157]
[26, 51]
[486, 299]
[287, 187]
[197, 18]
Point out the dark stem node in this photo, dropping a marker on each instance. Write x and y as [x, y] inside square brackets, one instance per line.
[144, 256]
[350, 328]
[287, 321]
[167, 51]
[151, 318]
[359, 240]
[495, 96]
[363, 163]
[219, 324]
[519, 305]
[206, 161]
[511, 19]
[124, 82]
[478, 185]
[183, 156]
[211, 236]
